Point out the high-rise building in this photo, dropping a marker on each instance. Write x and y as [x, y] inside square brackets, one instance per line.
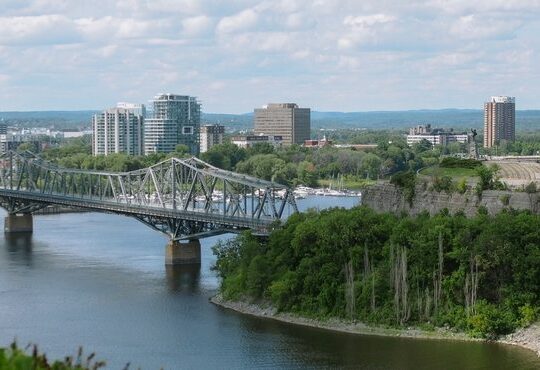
[293, 124]
[211, 135]
[175, 120]
[117, 130]
[4, 146]
[499, 120]
[136, 108]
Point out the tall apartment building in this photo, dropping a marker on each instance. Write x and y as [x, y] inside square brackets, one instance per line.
[4, 145]
[136, 108]
[499, 120]
[175, 120]
[287, 120]
[117, 130]
[211, 135]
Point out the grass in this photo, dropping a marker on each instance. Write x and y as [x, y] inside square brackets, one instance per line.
[455, 173]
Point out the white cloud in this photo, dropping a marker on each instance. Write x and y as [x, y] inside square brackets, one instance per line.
[318, 52]
[198, 25]
[486, 6]
[175, 6]
[45, 29]
[244, 20]
[363, 21]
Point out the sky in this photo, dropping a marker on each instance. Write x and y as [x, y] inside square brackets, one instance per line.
[235, 55]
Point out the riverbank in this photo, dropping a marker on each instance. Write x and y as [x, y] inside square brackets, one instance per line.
[335, 324]
[528, 338]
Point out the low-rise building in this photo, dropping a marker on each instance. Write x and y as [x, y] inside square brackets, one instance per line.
[436, 136]
[247, 141]
[211, 135]
[317, 143]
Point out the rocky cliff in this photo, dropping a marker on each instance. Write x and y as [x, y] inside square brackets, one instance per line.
[385, 197]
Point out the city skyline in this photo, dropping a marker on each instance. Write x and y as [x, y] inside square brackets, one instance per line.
[331, 56]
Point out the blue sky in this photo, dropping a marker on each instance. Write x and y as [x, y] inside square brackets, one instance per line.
[357, 55]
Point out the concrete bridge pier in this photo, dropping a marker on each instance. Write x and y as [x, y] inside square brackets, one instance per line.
[182, 253]
[18, 223]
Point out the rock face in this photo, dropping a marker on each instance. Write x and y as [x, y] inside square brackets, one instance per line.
[385, 197]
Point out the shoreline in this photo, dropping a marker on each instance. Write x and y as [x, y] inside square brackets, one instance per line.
[527, 338]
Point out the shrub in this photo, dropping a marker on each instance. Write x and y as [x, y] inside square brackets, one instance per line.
[453, 162]
[505, 199]
[490, 321]
[443, 184]
[406, 181]
[15, 358]
[527, 315]
[531, 188]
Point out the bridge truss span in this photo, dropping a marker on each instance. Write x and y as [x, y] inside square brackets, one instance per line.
[183, 198]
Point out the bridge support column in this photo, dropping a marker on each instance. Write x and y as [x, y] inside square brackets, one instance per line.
[178, 253]
[14, 223]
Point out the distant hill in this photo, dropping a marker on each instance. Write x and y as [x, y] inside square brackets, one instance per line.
[526, 120]
[60, 120]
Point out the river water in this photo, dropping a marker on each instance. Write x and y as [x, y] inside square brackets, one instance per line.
[99, 281]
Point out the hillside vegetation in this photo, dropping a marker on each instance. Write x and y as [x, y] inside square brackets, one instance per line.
[478, 275]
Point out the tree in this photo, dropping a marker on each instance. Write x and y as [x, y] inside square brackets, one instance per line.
[487, 176]
[180, 150]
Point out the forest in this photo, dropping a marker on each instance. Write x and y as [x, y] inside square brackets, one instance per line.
[477, 275]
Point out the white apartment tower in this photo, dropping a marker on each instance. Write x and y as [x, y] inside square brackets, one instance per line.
[287, 120]
[117, 130]
[211, 135]
[175, 120]
[499, 120]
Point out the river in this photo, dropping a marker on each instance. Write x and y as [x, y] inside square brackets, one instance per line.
[99, 281]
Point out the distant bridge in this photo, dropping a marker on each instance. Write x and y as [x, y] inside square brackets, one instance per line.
[187, 199]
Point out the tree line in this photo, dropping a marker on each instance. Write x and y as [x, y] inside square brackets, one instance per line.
[291, 165]
[477, 274]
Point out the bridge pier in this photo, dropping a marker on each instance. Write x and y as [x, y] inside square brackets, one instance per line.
[177, 253]
[18, 223]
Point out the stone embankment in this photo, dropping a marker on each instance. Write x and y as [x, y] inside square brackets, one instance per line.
[528, 338]
[385, 197]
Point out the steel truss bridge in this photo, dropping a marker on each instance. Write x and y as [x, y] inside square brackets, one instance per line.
[183, 198]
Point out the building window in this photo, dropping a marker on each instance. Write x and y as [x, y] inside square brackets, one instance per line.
[187, 130]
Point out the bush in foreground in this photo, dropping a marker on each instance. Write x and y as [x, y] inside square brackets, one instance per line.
[14, 358]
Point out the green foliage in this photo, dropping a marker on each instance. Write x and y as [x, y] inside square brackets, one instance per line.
[487, 176]
[443, 183]
[462, 186]
[224, 156]
[531, 188]
[505, 199]
[406, 181]
[453, 162]
[301, 268]
[528, 315]
[13, 358]
[490, 321]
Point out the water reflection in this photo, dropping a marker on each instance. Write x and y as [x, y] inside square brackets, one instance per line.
[19, 247]
[183, 278]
